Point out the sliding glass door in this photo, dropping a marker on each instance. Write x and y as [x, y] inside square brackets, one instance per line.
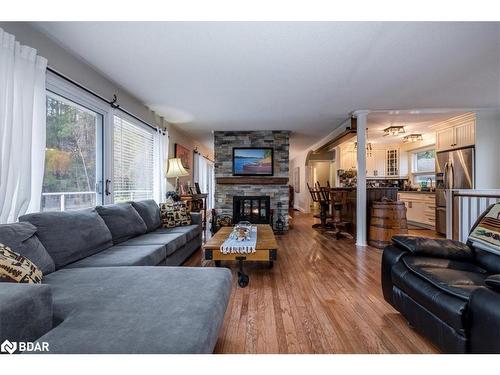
[73, 157]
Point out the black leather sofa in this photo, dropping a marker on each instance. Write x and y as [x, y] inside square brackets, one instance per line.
[447, 291]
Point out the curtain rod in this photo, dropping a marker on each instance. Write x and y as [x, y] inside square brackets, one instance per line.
[206, 157]
[112, 103]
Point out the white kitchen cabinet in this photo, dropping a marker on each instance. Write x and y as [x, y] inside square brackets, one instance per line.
[375, 163]
[392, 162]
[348, 159]
[465, 135]
[420, 207]
[462, 135]
[445, 139]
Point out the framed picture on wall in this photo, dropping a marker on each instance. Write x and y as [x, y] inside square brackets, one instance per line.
[184, 154]
[253, 161]
[296, 179]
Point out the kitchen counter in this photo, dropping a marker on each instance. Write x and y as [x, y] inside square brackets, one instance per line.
[416, 192]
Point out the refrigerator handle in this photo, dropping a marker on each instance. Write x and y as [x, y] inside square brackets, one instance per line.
[452, 176]
[445, 175]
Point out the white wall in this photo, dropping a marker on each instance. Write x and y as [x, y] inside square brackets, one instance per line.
[487, 149]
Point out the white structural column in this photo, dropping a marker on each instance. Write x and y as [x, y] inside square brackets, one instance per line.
[361, 119]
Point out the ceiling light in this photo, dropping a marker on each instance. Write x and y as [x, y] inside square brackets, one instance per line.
[394, 130]
[413, 138]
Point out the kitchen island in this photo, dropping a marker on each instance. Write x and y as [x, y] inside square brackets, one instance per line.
[372, 194]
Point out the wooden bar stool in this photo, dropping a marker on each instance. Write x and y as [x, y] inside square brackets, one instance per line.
[323, 215]
[339, 199]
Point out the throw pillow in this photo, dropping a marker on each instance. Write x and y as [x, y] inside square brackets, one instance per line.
[174, 214]
[22, 237]
[486, 234]
[15, 268]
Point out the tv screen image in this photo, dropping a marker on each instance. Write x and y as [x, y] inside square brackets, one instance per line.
[253, 161]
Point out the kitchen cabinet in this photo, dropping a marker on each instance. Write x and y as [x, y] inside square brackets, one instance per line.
[420, 207]
[375, 163]
[458, 136]
[348, 159]
[392, 163]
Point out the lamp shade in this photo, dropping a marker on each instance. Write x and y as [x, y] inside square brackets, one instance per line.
[175, 168]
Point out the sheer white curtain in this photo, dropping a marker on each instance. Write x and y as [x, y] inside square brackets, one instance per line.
[203, 174]
[22, 128]
[161, 160]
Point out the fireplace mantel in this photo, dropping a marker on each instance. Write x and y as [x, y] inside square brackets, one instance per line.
[252, 180]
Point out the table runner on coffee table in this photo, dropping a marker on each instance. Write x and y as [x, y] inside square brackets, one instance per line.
[233, 246]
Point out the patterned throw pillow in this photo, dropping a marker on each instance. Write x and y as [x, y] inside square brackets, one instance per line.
[486, 235]
[174, 214]
[15, 268]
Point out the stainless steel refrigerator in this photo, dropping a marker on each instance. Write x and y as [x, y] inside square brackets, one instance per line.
[454, 170]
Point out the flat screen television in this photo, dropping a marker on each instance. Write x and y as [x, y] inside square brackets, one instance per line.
[253, 161]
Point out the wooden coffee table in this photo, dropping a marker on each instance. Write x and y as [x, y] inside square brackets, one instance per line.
[266, 250]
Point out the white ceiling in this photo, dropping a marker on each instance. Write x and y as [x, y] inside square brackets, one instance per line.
[413, 123]
[304, 77]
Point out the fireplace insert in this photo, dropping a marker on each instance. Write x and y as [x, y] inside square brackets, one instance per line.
[255, 209]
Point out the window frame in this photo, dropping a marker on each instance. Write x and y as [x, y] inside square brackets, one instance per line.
[67, 91]
[414, 161]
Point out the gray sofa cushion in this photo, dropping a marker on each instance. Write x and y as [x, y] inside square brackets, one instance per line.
[21, 238]
[25, 311]
[123, 221]
[191, 231]
[145, 255]
[70, 235]
[150, 213]
[138, 309]
[172, 241]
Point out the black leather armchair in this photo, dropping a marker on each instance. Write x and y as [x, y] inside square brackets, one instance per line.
[448, 291]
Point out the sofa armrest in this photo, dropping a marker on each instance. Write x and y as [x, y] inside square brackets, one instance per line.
[25, 311]
[196, 217]
[390, 257]
[434, 247]
[484, 321]
[493, 282]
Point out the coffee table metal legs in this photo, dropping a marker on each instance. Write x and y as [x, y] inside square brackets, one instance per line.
[242, 276]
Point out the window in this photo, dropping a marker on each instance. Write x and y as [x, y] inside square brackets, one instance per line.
[73, 165]
[423, 167]
[133, 161]
[424, 161]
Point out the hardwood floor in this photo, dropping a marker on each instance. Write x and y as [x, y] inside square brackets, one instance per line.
[322, 296]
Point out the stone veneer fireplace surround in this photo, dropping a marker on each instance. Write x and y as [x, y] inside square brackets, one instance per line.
[228, 186]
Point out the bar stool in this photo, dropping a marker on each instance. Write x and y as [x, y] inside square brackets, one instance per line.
[338, 199]
[316, 196]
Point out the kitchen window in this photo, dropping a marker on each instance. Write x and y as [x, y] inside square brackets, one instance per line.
[423, 167]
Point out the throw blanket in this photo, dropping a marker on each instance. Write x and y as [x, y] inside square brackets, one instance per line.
[233, 246]
[486, 235]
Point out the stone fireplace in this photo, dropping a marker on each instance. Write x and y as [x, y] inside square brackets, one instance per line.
[227, 186]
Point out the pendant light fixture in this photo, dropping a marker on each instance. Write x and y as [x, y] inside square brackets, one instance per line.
[394, 130]
[413, 138]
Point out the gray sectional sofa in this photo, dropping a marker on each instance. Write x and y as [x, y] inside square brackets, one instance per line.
[102, 291]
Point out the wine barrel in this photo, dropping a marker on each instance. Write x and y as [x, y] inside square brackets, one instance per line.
[388, 218]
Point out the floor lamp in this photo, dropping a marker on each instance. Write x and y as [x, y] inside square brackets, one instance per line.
[175, 169]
